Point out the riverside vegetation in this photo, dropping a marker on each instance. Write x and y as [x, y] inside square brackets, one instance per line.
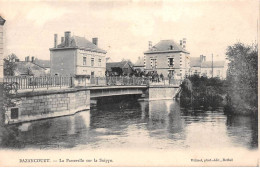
[237, 94]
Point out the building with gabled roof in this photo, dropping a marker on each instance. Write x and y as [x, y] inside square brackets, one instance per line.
[24, 68]
[168, 58]
[201, 67]
[77, 56]
[119, 68]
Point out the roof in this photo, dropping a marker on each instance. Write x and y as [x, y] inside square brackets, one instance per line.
[208, 64]
[81, 43]
[165, 46]
[195, 62]
[2, 21]
[23, 67]
[43, 63]
[121, 64]
[139, 62]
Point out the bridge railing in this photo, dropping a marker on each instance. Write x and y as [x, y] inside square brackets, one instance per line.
[46, 82]
[31, 82]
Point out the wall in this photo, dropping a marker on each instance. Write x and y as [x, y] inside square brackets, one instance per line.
[181, 63]
[99, 70]
[41, 105]
[217, 72]
[63, 61]
[160, 93]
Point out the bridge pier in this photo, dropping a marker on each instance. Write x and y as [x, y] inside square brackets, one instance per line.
[47, 104]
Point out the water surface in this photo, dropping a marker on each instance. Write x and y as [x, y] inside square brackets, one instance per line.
[135, 124]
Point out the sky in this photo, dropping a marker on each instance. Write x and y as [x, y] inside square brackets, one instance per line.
[124, 27]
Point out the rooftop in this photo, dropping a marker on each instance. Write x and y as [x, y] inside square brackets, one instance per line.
[166, 46]
[25, 68]
[81, 43]
[43, 63]
[139, 62]
[196, 62]
[120, 64]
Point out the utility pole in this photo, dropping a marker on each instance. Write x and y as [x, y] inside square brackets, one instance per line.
[212, 65]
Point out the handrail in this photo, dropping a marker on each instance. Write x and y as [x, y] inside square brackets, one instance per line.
[33, 82]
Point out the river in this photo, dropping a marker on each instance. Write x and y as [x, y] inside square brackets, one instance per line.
[135, 124]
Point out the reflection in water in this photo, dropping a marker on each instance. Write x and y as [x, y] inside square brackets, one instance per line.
[243, 130]
[135, 124]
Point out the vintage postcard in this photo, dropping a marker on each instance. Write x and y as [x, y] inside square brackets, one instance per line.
[129, 83]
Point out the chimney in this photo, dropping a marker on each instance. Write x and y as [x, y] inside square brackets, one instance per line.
[95, 41]
[67, 38]
[62, 39]
[181, 43]
[27, 59]
[55, 40]
[202, 58]
[32, 59]
[150, 45]
[184, 43]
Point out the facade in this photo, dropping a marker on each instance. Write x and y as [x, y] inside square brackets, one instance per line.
[2, 22]
[201, 67]
[119, 68]
[168, 58]
[77, 56]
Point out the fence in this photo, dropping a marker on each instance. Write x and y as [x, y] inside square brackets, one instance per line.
[30, 82]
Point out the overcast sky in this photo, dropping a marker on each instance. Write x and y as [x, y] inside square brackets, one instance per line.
[125, 27]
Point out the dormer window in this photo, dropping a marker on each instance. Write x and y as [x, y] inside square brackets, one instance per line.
[171, 47]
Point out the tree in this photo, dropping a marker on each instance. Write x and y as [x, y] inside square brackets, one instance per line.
[242, 78]
[9, 64]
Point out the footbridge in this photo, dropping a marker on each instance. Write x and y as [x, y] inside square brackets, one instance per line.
[39, 98]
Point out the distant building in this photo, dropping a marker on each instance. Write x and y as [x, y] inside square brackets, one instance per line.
[25, 68]
[168, 58]
[119, 68]
[77, 56]
[139, 65]
[201, 67]
[43, 63]
[2, 22]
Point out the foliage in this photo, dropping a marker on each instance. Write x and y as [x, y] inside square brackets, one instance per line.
[242, 78]
[202, 91]
[9, 64]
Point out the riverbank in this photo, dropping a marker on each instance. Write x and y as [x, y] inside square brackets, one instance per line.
[205, 93]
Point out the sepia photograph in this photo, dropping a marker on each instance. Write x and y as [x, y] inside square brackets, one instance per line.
[129, 83]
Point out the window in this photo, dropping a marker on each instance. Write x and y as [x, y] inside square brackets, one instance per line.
[153, 63]
[170, 61]
[92, 61]
[14, 113]
[99, 62]
[84, 61]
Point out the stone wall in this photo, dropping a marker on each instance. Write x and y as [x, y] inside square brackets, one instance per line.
[161, 93]
[42, 105]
